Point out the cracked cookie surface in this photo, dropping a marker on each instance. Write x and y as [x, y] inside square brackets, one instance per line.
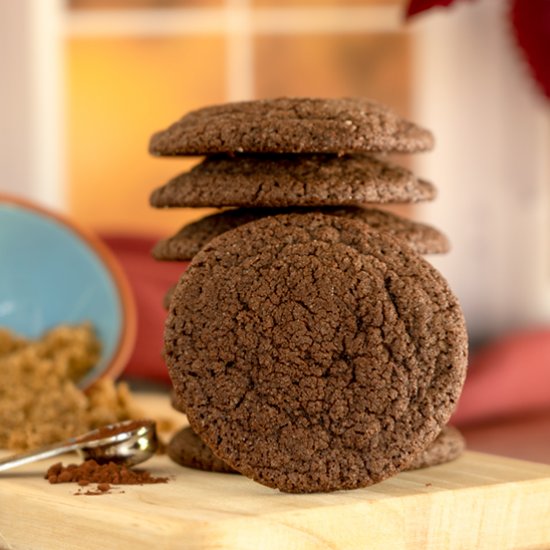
[292, 125]
[292, 180]
[421, 237]
[312, 355]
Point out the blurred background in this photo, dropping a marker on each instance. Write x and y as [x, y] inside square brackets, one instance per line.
[86, 82]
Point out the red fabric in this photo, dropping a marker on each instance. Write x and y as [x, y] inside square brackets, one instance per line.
[418, 6]
[531, 22]
[149, 280]
[508, 377]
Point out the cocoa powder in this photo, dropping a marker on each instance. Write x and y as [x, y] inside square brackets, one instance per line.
[104, 475]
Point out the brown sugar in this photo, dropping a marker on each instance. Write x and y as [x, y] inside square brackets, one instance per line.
[40, 401]
[105, 475]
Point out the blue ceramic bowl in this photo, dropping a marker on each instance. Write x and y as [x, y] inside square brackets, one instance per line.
[52, 272]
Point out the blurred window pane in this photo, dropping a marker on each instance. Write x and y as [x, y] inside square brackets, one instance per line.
[328, 65]
[138, 4]
[119, 92]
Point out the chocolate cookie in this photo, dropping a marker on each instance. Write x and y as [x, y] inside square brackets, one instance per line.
[292, 180]
[192, 237]
[175, 402]
[311, 353]
[187, 449]
[292, 125]
[448, 446]
[168, 297]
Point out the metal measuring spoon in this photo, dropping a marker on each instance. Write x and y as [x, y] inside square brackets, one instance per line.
[129, 442]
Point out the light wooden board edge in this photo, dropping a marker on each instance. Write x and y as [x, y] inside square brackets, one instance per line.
[477, 502]
[408, 511]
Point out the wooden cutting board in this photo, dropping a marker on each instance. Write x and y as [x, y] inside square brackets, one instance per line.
[479, 501]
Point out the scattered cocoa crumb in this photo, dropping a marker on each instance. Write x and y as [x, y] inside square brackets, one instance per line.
[91, 492]
[428, 484]
[105, 475]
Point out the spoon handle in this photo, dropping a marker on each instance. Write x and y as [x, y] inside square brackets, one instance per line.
[38, 454]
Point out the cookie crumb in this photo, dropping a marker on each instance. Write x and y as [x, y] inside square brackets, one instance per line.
[104, 475]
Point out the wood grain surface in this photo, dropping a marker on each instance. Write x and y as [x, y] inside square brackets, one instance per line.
[479, 501]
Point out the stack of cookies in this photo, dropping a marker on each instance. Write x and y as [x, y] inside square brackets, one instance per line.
[310, 345]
